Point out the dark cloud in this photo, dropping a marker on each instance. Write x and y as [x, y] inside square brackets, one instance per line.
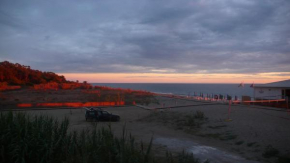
[164, 36]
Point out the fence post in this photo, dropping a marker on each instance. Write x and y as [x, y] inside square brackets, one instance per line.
[229, 111]
[287, 104]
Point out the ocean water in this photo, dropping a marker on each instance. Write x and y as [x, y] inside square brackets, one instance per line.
[186, 89]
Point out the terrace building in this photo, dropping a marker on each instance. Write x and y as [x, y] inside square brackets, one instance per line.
[273, 91]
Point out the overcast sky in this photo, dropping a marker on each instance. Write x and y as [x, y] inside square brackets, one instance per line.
[148, 36]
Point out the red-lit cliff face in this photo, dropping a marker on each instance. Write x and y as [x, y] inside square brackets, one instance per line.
[12, 76]
[17, 74]
[47, 89]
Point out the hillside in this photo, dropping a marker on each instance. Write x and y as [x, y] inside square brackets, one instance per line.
[32, 88]
[17, 74]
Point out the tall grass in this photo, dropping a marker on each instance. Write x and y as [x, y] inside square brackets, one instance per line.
[43, 139]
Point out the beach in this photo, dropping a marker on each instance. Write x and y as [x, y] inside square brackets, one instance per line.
[242, 136]
[183, 81]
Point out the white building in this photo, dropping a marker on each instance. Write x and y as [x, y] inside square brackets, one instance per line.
[275, 90]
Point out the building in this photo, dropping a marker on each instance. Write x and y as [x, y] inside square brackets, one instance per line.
[275, 90]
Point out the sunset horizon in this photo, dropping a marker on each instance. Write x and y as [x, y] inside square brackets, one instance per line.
[150, 42]
[261, 78]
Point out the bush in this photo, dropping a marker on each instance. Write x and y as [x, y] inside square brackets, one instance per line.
[199, 115]
[189, 121]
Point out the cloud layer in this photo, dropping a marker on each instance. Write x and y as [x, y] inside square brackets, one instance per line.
[162, 36]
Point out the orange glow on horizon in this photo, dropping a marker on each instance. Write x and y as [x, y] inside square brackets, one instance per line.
[176, 78]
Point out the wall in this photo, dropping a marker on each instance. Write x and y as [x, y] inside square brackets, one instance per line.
[268, 93]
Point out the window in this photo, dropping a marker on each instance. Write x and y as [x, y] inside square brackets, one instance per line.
[105, 113]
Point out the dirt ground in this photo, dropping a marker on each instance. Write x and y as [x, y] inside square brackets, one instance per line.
[31, 98]
[246, 135]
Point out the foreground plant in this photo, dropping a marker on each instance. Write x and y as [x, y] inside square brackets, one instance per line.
[24, 138]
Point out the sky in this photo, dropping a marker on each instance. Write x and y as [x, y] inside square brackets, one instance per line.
[150, 41]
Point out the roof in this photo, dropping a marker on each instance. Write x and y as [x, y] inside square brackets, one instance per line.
[279, 84]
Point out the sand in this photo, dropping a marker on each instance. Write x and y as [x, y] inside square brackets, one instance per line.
[250, 130]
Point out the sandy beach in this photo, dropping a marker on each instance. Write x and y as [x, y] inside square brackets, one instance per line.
[242, 139]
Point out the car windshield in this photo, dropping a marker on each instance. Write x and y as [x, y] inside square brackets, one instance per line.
[105, 113]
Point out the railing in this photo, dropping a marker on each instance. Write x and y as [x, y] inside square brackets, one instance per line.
[236, 100]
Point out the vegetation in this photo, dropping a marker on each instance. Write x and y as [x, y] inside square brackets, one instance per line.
[222, 136]
[44, 139]
[199, 115]
[179, 120]
[251, 144]
[17, 74]
[239, 142]
[127, 95]
[283, 159]
[217, 126]
[270, 151]
[228, 136]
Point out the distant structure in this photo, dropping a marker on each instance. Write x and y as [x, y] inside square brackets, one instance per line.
[272, 91]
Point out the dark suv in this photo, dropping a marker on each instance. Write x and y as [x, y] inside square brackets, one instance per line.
[100, 115]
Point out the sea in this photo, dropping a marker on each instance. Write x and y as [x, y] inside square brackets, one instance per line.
[187, 89]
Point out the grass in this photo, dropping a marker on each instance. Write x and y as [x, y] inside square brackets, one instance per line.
[239, 142]
[199, 115]
[179, 120]
[217, 127]
[211, 135]
[221, 136]
[228, 136]
[44, 139]
[283, 159]
[270, 151]
[251, 144]
[195, 120]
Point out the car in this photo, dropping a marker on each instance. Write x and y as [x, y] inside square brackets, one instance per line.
[98, 114]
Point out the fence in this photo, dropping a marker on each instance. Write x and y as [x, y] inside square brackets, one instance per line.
[280, 101]
[71, 104]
